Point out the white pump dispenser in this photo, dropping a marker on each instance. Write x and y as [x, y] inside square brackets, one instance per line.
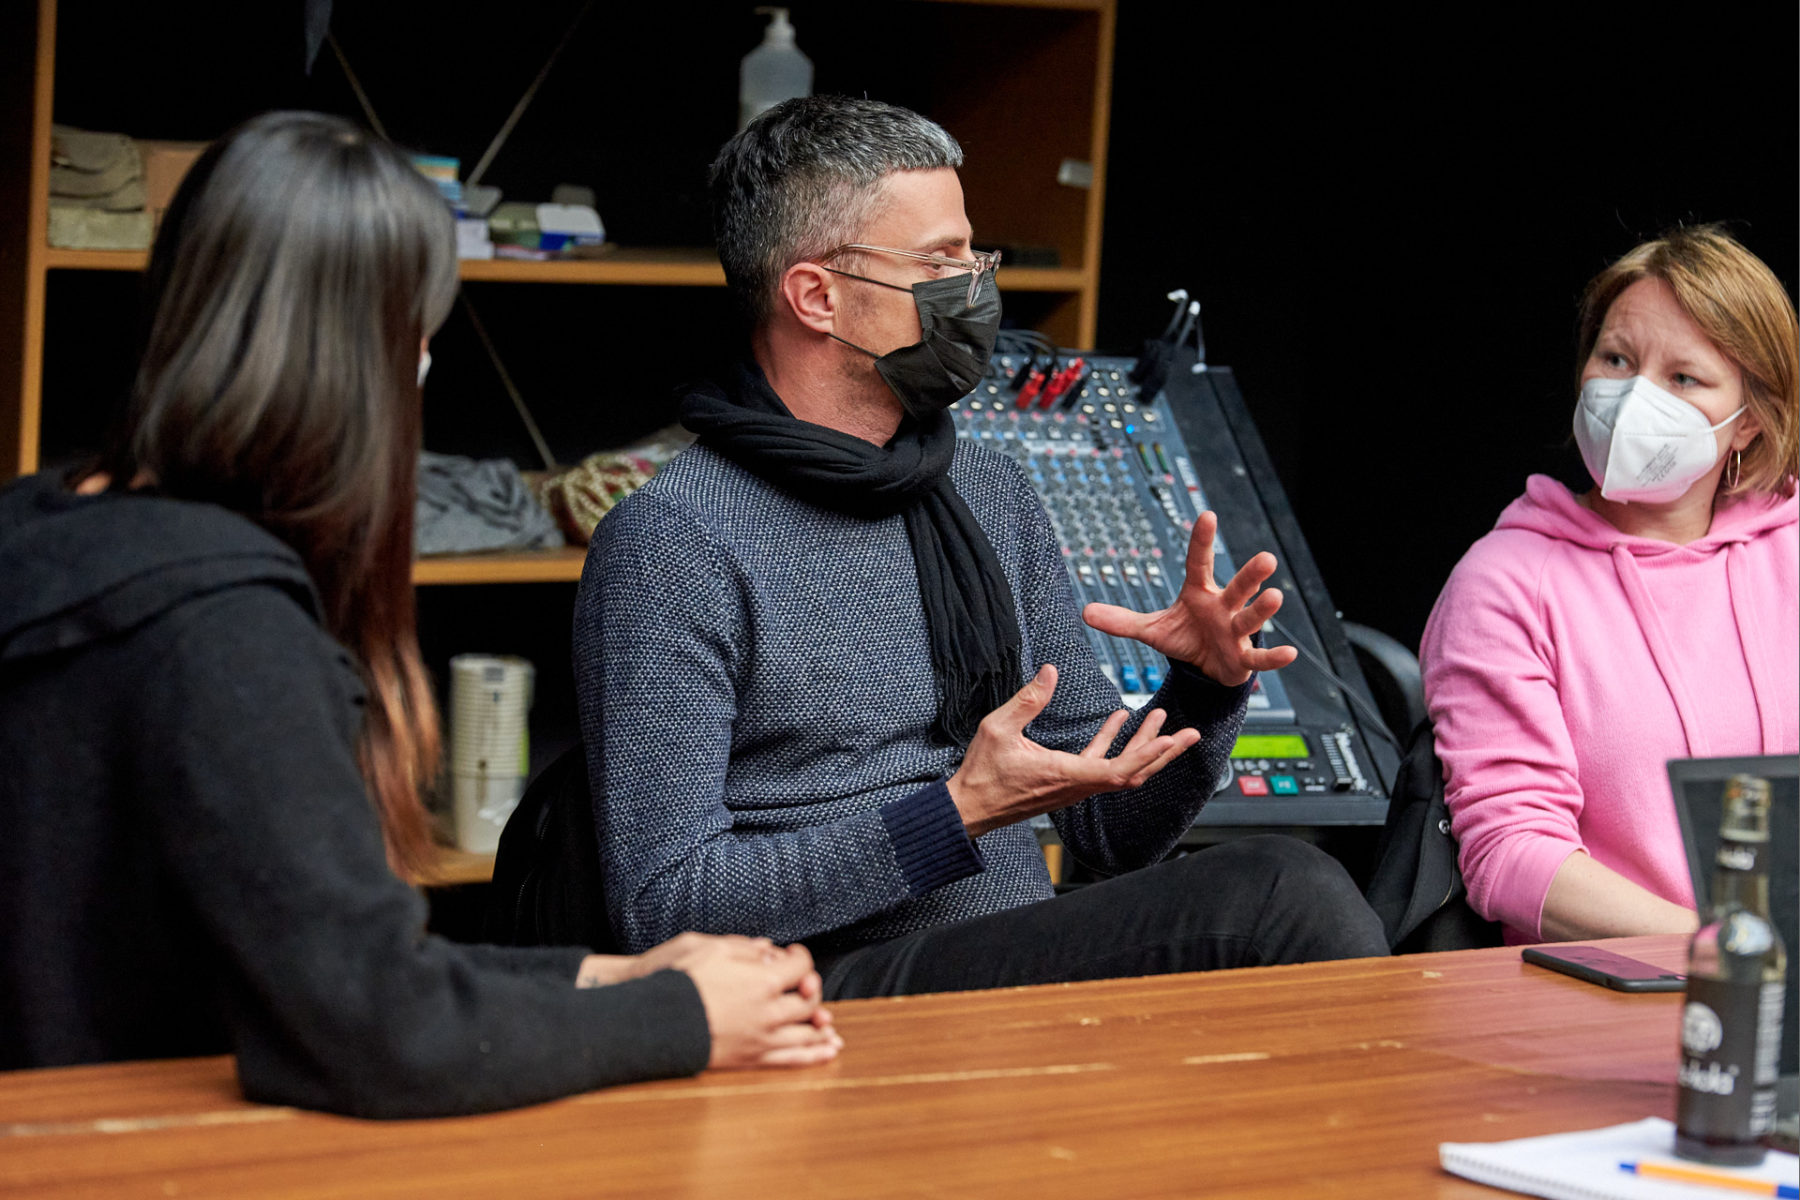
[774, 71]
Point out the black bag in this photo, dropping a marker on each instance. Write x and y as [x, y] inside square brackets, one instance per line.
[547, 886]
[1417, 887]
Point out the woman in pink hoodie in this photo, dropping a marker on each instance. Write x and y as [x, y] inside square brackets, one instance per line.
[1591, 637]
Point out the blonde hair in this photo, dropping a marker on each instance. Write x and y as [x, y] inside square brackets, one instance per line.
[1741, 306]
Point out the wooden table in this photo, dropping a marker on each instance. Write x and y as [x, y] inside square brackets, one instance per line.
[1337, 1079]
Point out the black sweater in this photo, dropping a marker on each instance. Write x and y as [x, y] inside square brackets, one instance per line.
[190, 864]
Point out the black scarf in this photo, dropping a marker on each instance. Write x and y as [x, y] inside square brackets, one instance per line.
[969, 617]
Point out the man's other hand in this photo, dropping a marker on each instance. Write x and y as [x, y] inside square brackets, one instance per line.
[1208, 627]
[1007, 777]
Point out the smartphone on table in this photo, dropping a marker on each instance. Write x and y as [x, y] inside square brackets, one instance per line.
[1601, 966]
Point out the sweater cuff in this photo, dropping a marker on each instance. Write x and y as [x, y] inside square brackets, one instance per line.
[556, 962]
[652, 1027]
[930, 843]
[1202, 697]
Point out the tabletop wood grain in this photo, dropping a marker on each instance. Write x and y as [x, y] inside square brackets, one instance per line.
[1333, 1079]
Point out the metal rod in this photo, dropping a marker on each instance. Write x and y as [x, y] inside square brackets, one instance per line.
[487, 156]
[362, 97]
[512, 390]
[531, 426]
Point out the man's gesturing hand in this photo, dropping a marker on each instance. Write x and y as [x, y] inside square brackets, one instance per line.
[1208, 627]
[1007, 777]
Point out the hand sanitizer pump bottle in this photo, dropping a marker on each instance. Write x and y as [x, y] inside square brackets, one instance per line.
[774, 71]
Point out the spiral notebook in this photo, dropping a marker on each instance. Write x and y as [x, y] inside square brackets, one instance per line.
[1585, 1165]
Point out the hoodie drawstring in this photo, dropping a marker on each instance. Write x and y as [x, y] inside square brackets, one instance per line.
[1771, 711]
[1661, 649]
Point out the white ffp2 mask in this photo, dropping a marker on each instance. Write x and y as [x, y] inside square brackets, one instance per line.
[1642, 443]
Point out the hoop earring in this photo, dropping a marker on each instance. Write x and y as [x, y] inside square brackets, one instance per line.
[1734, 469]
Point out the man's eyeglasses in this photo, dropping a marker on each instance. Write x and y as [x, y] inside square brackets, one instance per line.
[983, 265]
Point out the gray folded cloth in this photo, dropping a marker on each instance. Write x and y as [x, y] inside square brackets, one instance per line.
[84, 150]
[96, 170]
[467, 505]
[103, 172]
[76, 228]
[127, 197]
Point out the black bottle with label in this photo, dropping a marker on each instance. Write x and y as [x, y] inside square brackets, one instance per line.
[1737, 969]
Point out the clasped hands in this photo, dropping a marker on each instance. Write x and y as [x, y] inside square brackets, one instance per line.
[762, 1001]
[1007, 777]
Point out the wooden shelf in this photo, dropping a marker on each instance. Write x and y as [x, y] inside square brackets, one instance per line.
[96, 260]
[456, 867]
[695, 266]
[527, 566]
[634, 266]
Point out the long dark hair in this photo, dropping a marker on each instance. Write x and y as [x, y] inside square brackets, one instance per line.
[296, 273]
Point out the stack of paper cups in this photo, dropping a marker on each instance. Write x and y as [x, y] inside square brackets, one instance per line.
[490, 697]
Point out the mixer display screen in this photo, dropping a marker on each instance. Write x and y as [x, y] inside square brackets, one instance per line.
[1271, 746]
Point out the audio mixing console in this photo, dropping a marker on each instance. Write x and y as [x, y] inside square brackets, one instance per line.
[1123, 476]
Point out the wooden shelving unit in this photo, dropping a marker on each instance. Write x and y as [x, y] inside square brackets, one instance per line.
[1039, 98]
[1018, 129]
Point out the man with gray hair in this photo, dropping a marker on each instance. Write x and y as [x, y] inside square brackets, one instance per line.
[828, 660]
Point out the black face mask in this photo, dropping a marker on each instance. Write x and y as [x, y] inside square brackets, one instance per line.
[946, 364]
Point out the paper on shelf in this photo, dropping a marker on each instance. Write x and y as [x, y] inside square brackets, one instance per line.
[1585, 1165]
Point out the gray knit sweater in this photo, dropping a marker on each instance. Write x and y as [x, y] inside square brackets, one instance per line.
[756, 701]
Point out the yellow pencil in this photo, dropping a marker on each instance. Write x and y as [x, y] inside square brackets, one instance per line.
[1756, 1187]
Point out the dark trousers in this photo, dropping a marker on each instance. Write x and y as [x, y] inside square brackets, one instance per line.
[1251, 902]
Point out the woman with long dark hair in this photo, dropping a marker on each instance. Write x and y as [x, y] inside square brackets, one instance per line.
[214, 722]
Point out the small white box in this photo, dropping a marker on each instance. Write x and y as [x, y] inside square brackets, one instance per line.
[561, 225]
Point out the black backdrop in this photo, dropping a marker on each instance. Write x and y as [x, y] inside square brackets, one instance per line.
[1388, 216]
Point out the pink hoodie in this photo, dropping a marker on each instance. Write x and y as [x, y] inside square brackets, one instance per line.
[1566, 661]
